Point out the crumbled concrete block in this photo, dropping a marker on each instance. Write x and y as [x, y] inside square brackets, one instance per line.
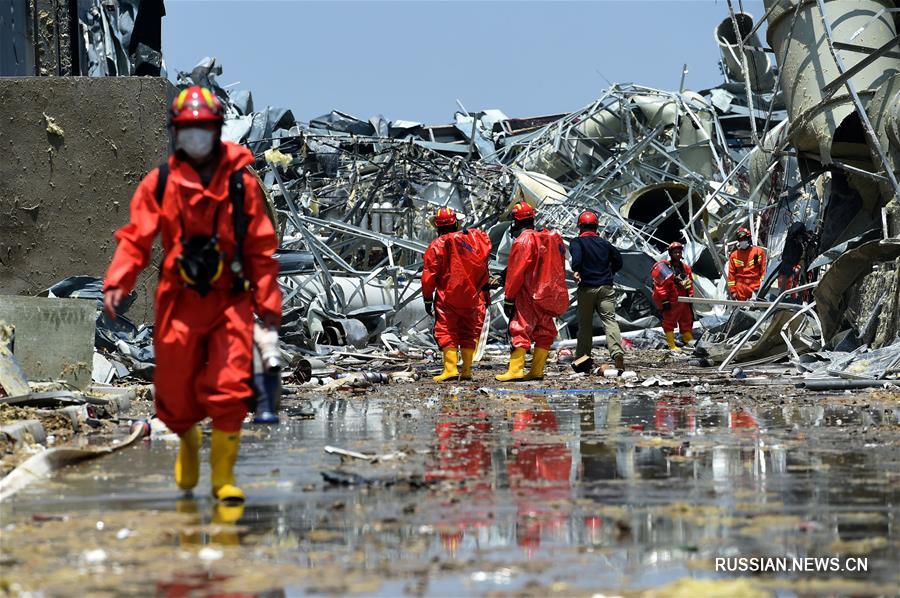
[54, 337]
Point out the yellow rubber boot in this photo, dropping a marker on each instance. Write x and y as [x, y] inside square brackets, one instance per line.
[516, 370]
[187, 464]
[687, 337]
[670, 338]
[450, 371]
[225, 515]
[468, 356]
[537, 364]
[222, 457]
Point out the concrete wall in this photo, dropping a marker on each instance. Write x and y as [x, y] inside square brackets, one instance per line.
[63, 192]
[54, 337]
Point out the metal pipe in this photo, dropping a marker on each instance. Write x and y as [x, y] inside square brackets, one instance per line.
[736, 303]
[843, 384]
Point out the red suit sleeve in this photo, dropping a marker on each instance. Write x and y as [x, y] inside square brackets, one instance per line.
[432, 268]
[521, 261]
[260, 243]
[732, 270]
[135, 238]
[690, 275]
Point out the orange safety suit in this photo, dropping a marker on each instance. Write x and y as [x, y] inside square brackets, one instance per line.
[671, 281]
[746, 269]
[456, 269]
[536, 282]
[202, 344]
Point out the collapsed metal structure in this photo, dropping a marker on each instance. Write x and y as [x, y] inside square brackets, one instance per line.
[813, 138]
[767, 148]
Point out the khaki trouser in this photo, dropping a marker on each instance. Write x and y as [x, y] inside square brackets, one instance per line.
[603, 301]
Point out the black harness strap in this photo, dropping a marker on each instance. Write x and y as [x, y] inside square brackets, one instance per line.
[161, 182]
[239, 217]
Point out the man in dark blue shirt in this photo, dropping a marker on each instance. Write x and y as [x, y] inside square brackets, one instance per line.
[594, 263]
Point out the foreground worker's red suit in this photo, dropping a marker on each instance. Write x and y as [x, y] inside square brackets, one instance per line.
[536, 281]
[203, 345]
[455, 267]
[746, 269]
[671, 281]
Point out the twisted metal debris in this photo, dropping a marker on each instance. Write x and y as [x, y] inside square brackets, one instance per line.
[353, 198]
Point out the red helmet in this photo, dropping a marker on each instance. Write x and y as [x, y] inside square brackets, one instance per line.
[588, 218]
[196, 105]
[445, 217]
[675, 245]
[743, 233]
[523, 211]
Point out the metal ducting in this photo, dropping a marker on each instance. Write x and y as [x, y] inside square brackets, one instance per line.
[761, 74]
[654, 206]
[829, 128]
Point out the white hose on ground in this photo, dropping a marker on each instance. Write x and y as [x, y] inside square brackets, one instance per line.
[43, 464]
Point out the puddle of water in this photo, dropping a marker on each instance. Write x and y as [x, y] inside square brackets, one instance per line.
[599, 491]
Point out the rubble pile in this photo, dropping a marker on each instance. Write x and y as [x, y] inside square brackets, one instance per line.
[352, 199]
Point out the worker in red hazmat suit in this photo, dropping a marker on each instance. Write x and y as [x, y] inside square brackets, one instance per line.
[746, 267]
[454, 279]
[212, 280]
[673, 278]
[536, 292]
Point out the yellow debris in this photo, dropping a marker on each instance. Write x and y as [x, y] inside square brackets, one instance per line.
[52, 127]
[276, 158]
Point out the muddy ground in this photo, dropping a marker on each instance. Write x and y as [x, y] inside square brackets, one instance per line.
[570, 486]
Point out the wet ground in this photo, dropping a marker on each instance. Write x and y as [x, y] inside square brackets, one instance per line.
[549, 488]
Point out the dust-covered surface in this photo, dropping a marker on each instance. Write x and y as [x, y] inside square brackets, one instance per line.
[570, 486]
[65, 189]
[57, 426]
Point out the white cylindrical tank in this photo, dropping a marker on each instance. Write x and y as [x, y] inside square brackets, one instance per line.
[807, 66]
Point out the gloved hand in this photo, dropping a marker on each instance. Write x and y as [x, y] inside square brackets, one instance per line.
[509, 308]
[666, 306]
[429, 307]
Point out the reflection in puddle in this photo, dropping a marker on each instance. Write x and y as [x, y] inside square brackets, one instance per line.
[604, 491]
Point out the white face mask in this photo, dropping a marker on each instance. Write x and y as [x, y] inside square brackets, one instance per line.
[196, 143]
[744, 244]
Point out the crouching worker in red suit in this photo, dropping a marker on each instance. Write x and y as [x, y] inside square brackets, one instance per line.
[454, 279]
[673, 278]
[211, 282]
[536, 292]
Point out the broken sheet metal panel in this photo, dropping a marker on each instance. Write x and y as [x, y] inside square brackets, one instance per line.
[860, 291]
[478, 129]
[879, 364]
[105, 27]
